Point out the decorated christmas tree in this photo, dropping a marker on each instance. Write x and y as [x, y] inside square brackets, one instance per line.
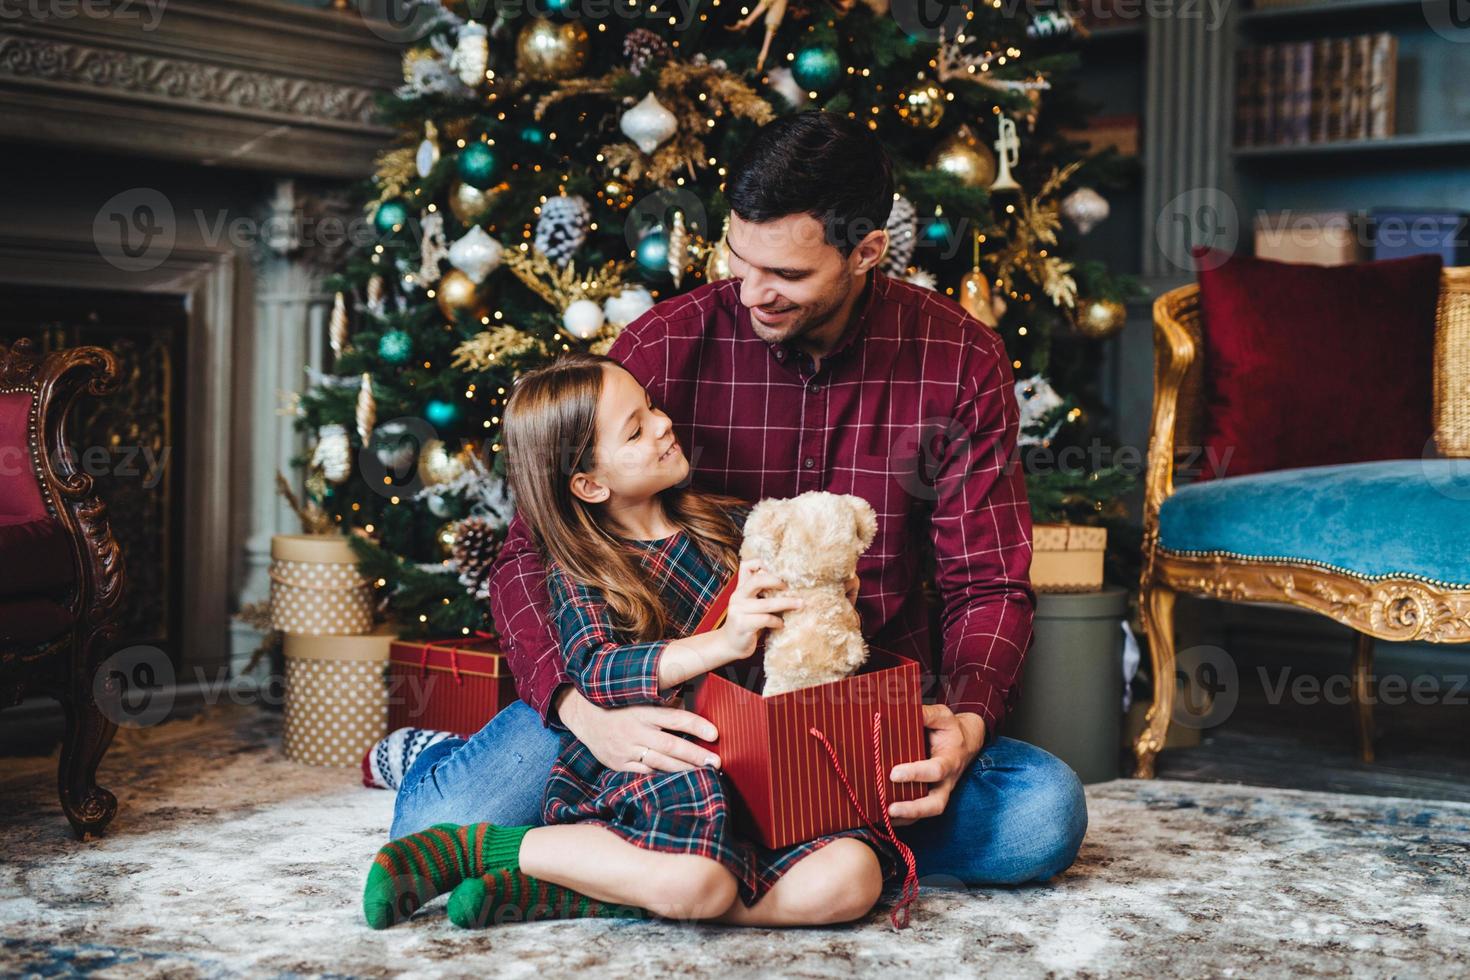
[555, 176]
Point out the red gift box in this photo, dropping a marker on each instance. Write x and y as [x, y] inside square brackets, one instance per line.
[796, 760]
[450, 685]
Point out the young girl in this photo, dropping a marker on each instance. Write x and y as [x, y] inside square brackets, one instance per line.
[634, 557]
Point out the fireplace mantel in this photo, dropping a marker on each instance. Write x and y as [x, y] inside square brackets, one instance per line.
[255, 84]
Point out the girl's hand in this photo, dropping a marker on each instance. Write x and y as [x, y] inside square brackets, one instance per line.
[749, 614]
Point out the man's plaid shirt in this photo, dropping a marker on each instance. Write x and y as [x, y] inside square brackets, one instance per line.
[914, 411]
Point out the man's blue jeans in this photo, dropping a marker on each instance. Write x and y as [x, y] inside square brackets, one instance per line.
[1018, 815]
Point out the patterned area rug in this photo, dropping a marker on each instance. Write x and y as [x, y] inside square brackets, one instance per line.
[225, 859]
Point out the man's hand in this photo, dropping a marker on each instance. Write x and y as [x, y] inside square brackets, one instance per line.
[619, 736]
[851, 587]
[954, 741]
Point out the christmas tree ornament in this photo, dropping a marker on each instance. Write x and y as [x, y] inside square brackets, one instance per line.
[1100, 319]
[817, 69]
[476, 254]
[964, 157]
[774, 12]
[337, 328]
[445, 538]
[652, 253]
[432, 248]
[975, 289]
[395, 448]
[546, 52]
[1085, 208]
[678, 248]
[643, 48]
[477, 542]
[937, 230]
[1008, 146]
[333, 453]
[1048, 24]
[441, 414]
[471, 54]
[366, 414]
[648, 124]
[922, 278]
[922, 106]
[437, 465]
[903, 233]
[717, 264]
[456, 294]
[583, 319]
[478, 165]
[562, 228]
[533, 135]
[468, 203]
[375, 290]
[627, 306]
[428, 151]
[785, 85]
[438, 505]
[395, 347]
[390, 217]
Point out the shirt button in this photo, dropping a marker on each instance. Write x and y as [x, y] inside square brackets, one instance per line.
[816, 388]
[809, 463]
[780, 354]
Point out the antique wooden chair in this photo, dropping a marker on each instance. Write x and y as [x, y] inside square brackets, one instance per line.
[61, 572]
[1400, 572]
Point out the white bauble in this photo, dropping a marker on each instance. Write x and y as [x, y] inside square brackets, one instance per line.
[583, 319]
[627, 306]
[333, 453]
[476, 254]
[471, 54]
[1085, 208]
[648, 123]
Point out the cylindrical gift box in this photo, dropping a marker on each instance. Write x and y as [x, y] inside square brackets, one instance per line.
[316, 589]
[336, 697]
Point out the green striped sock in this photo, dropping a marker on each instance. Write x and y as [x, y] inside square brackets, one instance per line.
[412, 870]
[510, 895]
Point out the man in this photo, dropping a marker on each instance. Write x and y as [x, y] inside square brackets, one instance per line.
[810, 370]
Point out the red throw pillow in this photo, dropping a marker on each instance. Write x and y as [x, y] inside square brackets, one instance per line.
[1308, 365]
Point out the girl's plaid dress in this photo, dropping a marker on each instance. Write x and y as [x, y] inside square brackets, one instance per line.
[679, 812]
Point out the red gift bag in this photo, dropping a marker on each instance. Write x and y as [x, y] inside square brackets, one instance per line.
[450, 685]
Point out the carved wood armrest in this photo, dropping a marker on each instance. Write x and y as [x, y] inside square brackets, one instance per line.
[1174, 351]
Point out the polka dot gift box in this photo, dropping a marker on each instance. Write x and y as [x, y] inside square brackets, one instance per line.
[336, 697]
[315, 587]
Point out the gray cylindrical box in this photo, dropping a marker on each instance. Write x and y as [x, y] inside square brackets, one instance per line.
[1072, 682]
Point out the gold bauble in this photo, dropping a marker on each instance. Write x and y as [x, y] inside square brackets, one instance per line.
[1100, 318]
[546, 52]
[456, 291]
[975, 297]
[436, 465]
[963, 156]
[921, 106]
[470, 204]
[445, 538]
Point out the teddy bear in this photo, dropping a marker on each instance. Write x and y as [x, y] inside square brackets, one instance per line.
[812, 543]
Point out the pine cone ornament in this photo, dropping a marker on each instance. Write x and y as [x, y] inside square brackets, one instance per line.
[643, 48]
[903, 227]
[562, 228]
[476, 543]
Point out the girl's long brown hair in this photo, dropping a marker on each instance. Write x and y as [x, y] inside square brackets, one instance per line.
[550, 435]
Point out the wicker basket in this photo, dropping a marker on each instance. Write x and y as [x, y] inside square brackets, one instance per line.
[316, 589]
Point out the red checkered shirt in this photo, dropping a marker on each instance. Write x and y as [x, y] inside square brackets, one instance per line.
[914, 410]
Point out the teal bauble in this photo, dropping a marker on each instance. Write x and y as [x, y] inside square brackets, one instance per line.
[441, 414]
[478, 165]
[390, 216]
[817, 69]
[533, 136]
[653, 253]
[937, 231]
[558, 6]
[395, 347]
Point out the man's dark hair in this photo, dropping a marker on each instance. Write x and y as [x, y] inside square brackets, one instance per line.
[817, 163]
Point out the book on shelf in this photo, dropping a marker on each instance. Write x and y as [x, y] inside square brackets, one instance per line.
[1316, 91]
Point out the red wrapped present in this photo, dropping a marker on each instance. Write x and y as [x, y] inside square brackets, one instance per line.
[450, 685]
[816, 760]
